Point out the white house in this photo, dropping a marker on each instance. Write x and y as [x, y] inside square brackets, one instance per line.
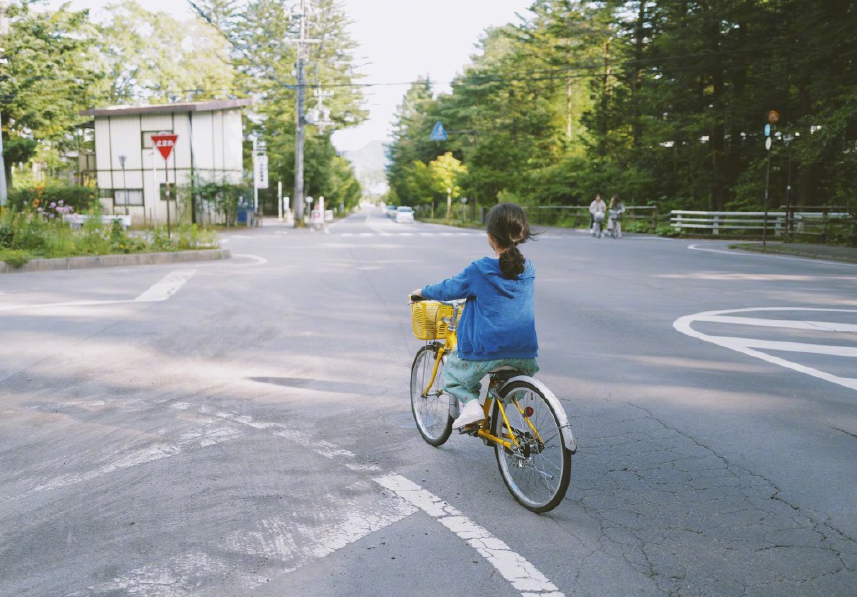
[130, 171]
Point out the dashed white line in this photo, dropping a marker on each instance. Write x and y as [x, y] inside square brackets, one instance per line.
[257, 260]
[160, 291]
[166, 287]
[525, 577]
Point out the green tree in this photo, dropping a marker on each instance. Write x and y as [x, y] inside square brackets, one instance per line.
[49, 73]
[446, 173]
[153, 58]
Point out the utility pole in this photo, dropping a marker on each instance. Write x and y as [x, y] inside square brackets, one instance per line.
[4, 30]
[298, 205]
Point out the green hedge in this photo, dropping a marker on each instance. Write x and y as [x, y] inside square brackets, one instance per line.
[78, 197]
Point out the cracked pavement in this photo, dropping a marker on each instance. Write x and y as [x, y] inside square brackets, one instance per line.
[251, 435]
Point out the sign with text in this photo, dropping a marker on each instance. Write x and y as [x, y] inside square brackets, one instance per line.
[164, 144]
[260, 170]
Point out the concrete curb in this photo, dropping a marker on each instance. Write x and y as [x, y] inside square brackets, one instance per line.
[44, 265]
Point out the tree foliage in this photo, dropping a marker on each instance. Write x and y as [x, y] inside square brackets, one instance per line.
[662, 102]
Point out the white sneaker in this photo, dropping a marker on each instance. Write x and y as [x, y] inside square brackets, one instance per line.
[471, 413]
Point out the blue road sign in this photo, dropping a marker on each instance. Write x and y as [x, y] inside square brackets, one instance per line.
[767, 130]
[438, 133]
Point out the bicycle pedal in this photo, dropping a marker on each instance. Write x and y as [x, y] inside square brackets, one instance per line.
[471, 429]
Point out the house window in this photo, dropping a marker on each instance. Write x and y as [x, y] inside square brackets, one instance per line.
[127, 197]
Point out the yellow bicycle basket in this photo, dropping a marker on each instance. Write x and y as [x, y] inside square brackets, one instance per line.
[426, 318]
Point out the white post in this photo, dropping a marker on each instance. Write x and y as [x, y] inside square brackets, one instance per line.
[280, 200]
[678, 222]
[157, 191]
[716, 227]
[255, 182]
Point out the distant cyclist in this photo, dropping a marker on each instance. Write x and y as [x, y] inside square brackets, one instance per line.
[498, 324]
[615, 211]
[597, 206]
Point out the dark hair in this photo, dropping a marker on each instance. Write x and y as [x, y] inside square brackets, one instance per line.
[507, 224]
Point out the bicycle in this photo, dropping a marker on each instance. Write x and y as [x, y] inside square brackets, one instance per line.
[614, 223]
[533, 442]
[597, 223]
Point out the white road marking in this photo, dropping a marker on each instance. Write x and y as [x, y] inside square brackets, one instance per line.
[160, 291]
[167, 287]
[747, 345]
[511, 566]
[287, 540]
[258, 260]
[767, 255]
[203, 437]
[819, 326]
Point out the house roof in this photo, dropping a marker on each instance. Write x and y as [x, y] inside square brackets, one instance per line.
[231, 104]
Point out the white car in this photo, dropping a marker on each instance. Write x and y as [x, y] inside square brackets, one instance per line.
[390, 211]
[404, 214]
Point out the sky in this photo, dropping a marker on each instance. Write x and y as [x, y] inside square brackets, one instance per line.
[399, 40]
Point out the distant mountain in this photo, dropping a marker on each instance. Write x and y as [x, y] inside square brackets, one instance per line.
[369, 163]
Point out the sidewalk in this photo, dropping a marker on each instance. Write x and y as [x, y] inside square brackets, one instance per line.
[828, 252]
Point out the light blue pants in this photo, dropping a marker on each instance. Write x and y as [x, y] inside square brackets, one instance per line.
[463, 378]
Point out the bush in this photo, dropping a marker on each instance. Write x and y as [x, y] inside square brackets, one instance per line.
[79, 198]
[14, 257]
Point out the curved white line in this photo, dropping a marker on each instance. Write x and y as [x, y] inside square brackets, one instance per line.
[683, 325]
[768, 255]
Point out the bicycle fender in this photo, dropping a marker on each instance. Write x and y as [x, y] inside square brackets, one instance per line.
[564, 425]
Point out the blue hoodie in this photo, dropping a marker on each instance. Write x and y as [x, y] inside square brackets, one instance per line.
[499, 320]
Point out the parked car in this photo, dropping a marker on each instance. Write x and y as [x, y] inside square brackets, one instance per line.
[390, 211]
[404, 214]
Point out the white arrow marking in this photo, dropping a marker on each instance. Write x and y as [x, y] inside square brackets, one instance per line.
[683, 325]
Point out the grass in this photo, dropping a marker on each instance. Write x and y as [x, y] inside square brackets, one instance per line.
[40, 234]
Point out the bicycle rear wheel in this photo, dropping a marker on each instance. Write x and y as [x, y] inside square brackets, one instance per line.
[537, 471]
[430, 409]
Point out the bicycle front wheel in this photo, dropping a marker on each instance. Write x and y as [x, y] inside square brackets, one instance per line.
[537, 470]
[430, 408]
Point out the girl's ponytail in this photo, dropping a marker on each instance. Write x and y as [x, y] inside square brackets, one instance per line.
[507, 224]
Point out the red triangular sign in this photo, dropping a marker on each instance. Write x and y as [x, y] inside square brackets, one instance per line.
[164, 144]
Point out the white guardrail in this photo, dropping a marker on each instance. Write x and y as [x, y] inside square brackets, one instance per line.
[716, 221]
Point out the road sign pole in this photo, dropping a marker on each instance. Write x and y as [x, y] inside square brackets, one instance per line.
[165, 144]
[167, 181]
[3, 192]
[768, 145]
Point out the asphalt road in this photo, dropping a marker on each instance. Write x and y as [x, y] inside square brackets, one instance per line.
[243, 427]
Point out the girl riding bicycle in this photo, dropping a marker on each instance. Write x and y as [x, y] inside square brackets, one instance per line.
[498, 325]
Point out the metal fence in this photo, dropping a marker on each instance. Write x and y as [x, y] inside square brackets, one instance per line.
[578, 215]
[817, 224]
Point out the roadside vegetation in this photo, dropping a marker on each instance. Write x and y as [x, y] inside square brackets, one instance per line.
[57, 61]
[662, 103]
[37, 231]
